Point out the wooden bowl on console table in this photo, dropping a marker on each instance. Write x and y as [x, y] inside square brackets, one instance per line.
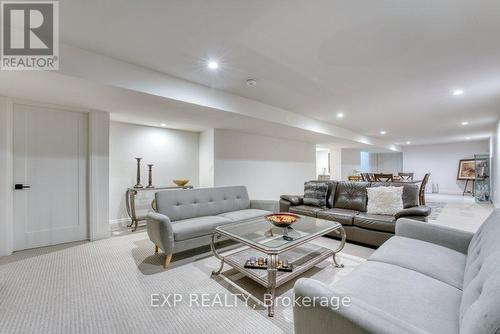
[181, 182]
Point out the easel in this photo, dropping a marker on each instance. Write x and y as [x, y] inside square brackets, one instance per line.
[473, 191]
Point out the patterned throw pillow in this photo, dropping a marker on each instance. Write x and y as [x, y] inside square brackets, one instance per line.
[384, 200]
[315, 193]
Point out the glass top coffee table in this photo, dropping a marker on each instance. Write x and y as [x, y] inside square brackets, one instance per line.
[277, 245]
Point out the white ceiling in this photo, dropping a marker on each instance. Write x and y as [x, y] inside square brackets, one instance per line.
[386, 64]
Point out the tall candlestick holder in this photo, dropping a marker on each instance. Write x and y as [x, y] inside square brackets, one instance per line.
[138, 185]
[150, 178]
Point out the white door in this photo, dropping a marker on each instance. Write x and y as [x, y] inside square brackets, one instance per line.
[50, 157]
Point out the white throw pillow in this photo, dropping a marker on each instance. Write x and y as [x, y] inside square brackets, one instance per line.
[385, 200]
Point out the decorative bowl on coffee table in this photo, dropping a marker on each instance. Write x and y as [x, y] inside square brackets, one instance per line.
[282, 219]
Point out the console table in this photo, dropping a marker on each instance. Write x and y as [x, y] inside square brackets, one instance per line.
[137, 209]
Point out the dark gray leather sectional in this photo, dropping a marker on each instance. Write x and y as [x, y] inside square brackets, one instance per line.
[346, 204]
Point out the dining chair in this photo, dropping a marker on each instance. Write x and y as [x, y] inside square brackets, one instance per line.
[406, 176]
[365, 177]
[383, 177]
[421, 192]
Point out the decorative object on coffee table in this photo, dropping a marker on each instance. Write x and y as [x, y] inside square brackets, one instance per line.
[138, 185]
[150, 178]
[282, 219]
[181, 182]
[282, 266]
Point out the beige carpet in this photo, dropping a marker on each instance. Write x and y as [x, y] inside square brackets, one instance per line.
[106, 286]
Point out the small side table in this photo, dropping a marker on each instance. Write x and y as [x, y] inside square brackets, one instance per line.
[131, 203]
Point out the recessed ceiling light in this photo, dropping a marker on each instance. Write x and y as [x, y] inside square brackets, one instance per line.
[465, 123]
[383, 132]
[163, 124]
[340, 115]
[213, 65]
[458, 92]
[408, 142]
[468, 138]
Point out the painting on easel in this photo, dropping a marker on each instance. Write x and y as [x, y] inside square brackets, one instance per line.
[466, 169]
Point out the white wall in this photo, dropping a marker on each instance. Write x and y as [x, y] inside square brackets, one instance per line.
[351, 160]
[389, 163]
[335, 163]
[441, 160]
[206, 163]
[268, 166]
[174, 155]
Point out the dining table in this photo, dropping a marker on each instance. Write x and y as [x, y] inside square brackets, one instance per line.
[406, 181]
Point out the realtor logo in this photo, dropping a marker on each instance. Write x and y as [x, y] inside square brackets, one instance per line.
[30, 35]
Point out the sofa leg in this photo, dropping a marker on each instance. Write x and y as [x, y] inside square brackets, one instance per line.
[168, 257]
[156, 249]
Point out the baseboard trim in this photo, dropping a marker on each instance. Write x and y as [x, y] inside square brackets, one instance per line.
[120, 221]
[445, 192]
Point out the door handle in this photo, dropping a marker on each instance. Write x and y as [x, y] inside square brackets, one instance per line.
[20, 186]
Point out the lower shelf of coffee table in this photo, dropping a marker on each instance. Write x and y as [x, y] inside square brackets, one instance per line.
[303, 258]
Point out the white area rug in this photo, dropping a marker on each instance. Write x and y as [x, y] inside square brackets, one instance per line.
[106, 287]
[436, 209]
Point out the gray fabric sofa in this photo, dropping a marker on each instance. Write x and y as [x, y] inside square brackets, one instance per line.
[346, 203]
[185, 219]
[426, 279]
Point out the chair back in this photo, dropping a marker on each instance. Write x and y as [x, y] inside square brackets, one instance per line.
[421, 193]
[383, 177]
[406, 176]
